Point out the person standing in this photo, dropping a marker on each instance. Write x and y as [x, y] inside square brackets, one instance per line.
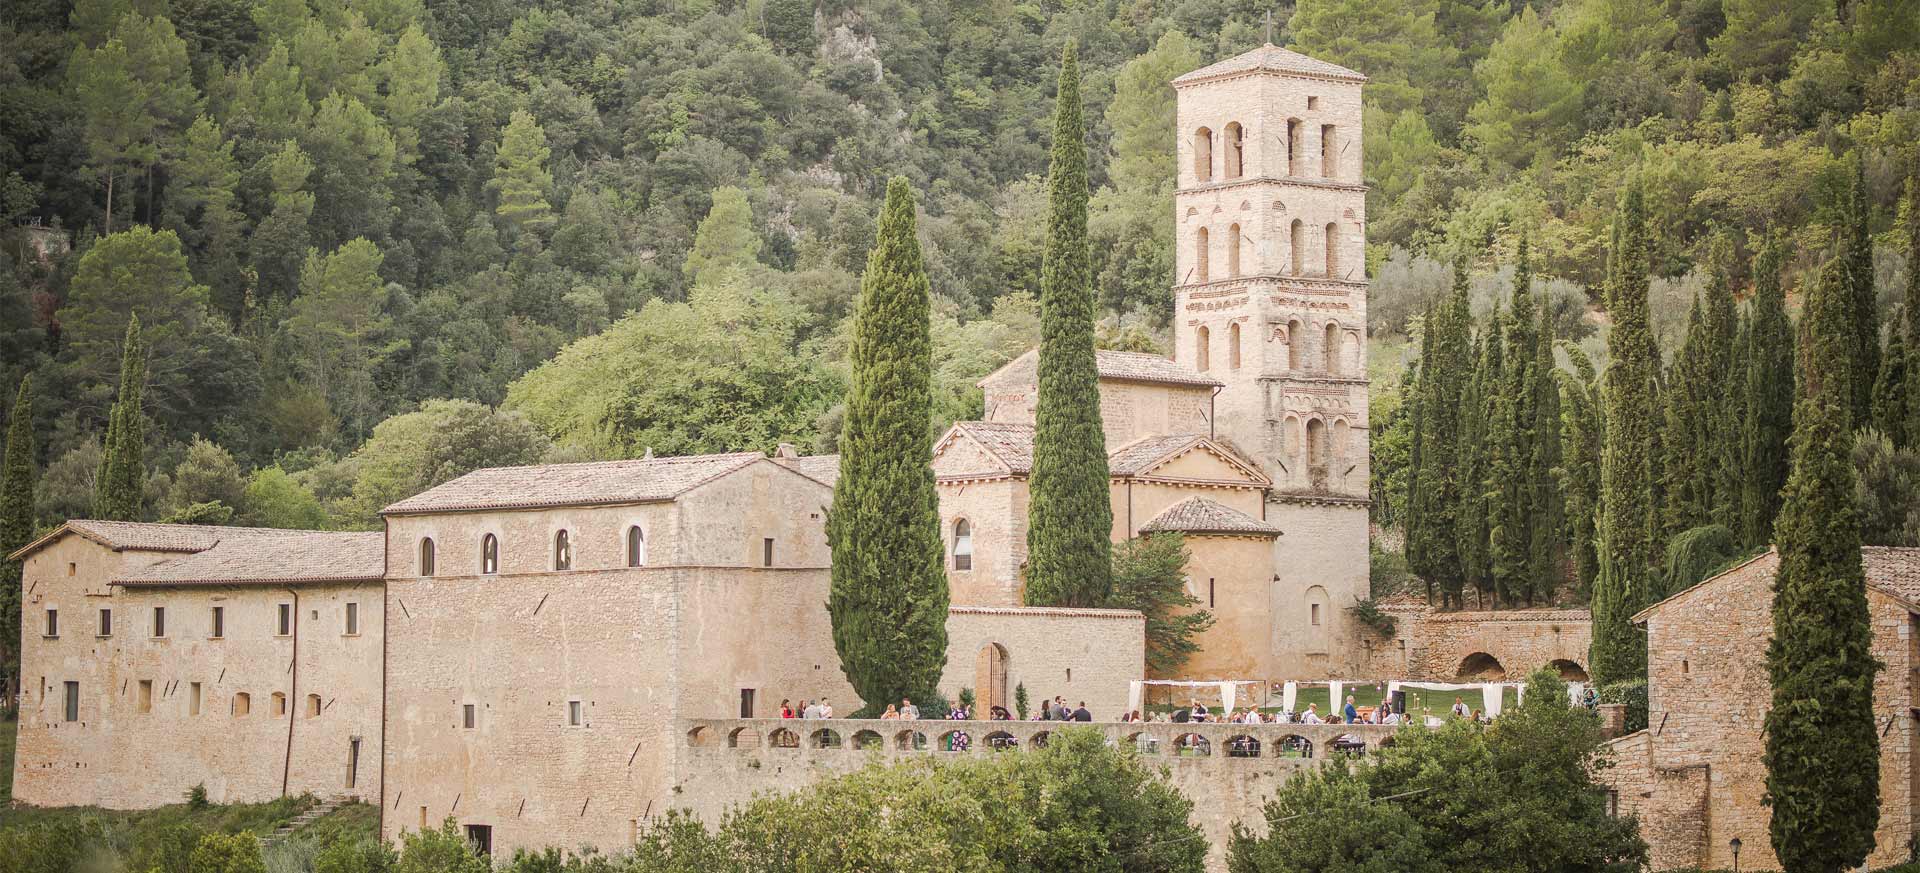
[1352, 713]
[908, 711]
[826, 709]
[786, 709]
[1460, 709]
[1082, 714]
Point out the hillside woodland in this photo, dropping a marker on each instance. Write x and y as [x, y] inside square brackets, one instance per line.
[374, 244]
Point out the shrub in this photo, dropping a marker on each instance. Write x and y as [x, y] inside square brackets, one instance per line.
[197, 797]
[1633, 693]
[1368, 612]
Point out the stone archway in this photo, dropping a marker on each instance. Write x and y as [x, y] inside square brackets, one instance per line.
[1480, 667]
[1569, 670]
[990, 679]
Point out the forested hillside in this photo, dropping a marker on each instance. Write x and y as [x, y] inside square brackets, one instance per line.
[377, 243]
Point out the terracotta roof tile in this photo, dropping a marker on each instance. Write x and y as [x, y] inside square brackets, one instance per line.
[1125, 614]
[1272, 58]
[1011, 443]
[600, 482]
[1895, 570]
[143, 536]
[1200, 515]
[1138, 456]
[243, 556]
[1137, 367]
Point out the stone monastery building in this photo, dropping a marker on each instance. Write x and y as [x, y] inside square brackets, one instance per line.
[523, 649]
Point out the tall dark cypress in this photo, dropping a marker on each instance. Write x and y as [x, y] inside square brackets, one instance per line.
[1685, 432]
[1769, 400]
[119, 484]
[1863, 309]
[1510, 441]
[889, 595]
[1582, 423]
[1629, 514]
[1070, 518]
[1822, 748]
[1433, 548]
[1912, 427]
[1476, 500]
[1547, 507]
[1420, 518]
[1721, 436]
[16, 514]
[1890, 389]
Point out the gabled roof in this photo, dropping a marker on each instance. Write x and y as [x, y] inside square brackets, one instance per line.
[141, 536]
[1143, 455]
[824, 469]
[602, 482]
[1272, 58]
[303, 556]
[1120, 366]
[1202, 516]
[1007, 443]
[1894, 571]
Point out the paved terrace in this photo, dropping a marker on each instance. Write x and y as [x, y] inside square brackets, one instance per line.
[1185, 745]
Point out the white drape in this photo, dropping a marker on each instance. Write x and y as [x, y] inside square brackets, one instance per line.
[1336, 705]
[1491, 696]
[1135, 689]
[1226, 698]
[1288, 694]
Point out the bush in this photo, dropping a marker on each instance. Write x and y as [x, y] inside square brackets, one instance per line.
[1633, 693]
[197, 797]
[1368, 612]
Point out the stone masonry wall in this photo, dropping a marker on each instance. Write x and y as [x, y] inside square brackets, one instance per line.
[1086, 655]
[1433, 646]
[140, 741]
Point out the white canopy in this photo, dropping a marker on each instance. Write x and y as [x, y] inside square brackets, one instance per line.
[1136, 690]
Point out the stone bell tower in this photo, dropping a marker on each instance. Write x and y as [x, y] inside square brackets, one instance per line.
[1270, 297]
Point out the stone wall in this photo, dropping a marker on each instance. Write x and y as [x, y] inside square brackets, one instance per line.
[1708, 696]
[721, 763]
[1429, 645]
[996, 512]
[141, 740]
[1088, 655]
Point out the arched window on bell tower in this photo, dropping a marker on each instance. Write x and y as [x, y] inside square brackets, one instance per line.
[1294, 130]
[1203, 155]
[1329, 151]
[1233, 346]
[1330, 349]
[1200, 255]
[1333, 250]
[1202, 351]
[1296, 247]
[1233, 250]
[1294, 340]
[1235, 137]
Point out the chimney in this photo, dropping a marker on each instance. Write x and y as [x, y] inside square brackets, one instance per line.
[786, 452]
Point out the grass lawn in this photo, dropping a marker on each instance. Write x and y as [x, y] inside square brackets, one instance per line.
[1436, 703]
[7, 729]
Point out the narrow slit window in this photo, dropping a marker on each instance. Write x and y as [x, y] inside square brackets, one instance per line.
[562, 550]
[313, 706]
[766, 552]
[284, 627]
[468, 717]
[159, 621]
[962, 545]
[144, 703]
[72, 712]
[426, 556]
[353, 619]
[219, 622]
[574, 713]
[106, 622]
[636, 547]
[489, 555]
[193, 698]
[53, 622]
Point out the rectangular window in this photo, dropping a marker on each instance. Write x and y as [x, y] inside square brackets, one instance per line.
[1209, 593]
[285, 627]
[146, 695]
[766, 552]
[480, 837]
[53, 622]
[1613, 804]
[159, 621]
[1316, 615]
[73, 701]
[106, 622]
[353, 619]
[193, 699]
[219, 622]
[746, 703]
[467, 716]
[573, 713]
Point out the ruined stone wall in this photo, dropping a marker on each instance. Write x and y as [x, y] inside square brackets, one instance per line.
[723, 763]
[140, 740]
[1086, 655]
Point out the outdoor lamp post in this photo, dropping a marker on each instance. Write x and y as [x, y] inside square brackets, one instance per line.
[1734, 844]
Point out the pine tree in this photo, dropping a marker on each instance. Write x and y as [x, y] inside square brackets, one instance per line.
[1629, 510]
[1583, 424]
[1433, 543]
[119, 483]
[16, 514]
[889, 593]
[1546, 504]
[1070, 516]
[1862, 321]
[1769, 400]
[1822, 749]
[521, 177]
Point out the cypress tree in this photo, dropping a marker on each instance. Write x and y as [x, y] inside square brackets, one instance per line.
[1721, 435]
[1912, 427]
[1582, 423]
[1685, 472]
[1070, 517]
[1433, 548]
[1890, 390]
[1863, 316]
[1476, 457]
[1420, 518]
[1510, 440]
[118, 485]
[1546, 504]
[1629, 511]
[889, 592]
[1822, 749]
[1769, 400]
[16, 513]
